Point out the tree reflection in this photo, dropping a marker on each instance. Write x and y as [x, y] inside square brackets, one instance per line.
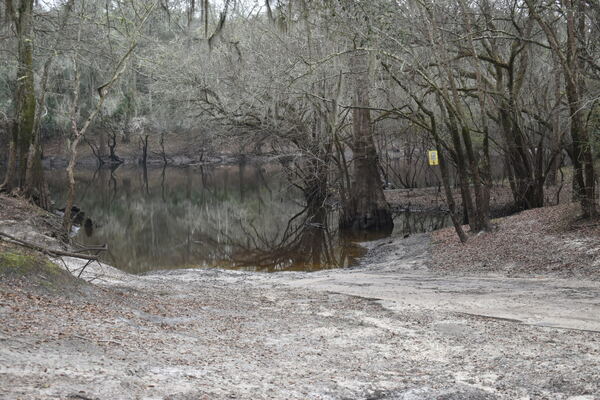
[306, 243]
[247, 217]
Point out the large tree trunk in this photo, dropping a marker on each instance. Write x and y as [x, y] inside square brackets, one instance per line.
[573, 70]
[24, 171]
[575, 87]
[23, 133]
[526, 189]
[35, 182]
[366, 208]
[589, 200]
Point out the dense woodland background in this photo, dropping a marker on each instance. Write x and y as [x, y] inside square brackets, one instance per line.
[339, 87]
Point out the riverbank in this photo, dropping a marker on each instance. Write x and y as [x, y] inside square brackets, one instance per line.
[391, 328]
[548, 241]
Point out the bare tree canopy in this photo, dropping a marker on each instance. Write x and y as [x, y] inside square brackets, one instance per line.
[337, 86]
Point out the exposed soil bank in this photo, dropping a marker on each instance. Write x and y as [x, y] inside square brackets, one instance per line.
[389, 329]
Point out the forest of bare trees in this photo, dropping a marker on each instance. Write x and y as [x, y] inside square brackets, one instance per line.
[300, 199]
[337, 86]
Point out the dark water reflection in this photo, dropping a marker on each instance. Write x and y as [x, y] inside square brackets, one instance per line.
[242, 217]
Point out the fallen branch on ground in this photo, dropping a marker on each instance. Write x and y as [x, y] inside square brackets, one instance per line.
[47, 250]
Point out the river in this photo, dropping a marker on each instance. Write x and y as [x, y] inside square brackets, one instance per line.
[227, 216]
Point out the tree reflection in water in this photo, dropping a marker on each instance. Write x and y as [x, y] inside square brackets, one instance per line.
[307, 243]
[243, 217]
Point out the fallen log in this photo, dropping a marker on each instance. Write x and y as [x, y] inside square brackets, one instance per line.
[47, 250]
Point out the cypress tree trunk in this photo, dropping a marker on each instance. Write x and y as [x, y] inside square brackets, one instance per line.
[366, 207]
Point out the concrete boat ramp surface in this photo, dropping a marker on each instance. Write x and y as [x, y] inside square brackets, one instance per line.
[397, 275]
[388, 329]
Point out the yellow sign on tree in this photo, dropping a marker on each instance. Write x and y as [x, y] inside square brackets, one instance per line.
[433, 157]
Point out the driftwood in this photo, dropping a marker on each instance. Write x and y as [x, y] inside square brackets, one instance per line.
[47, 250]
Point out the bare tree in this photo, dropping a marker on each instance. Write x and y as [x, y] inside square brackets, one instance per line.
[366, 207]
[571, 57]
[77, 133]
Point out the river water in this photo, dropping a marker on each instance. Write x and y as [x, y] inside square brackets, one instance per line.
[231, 216]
